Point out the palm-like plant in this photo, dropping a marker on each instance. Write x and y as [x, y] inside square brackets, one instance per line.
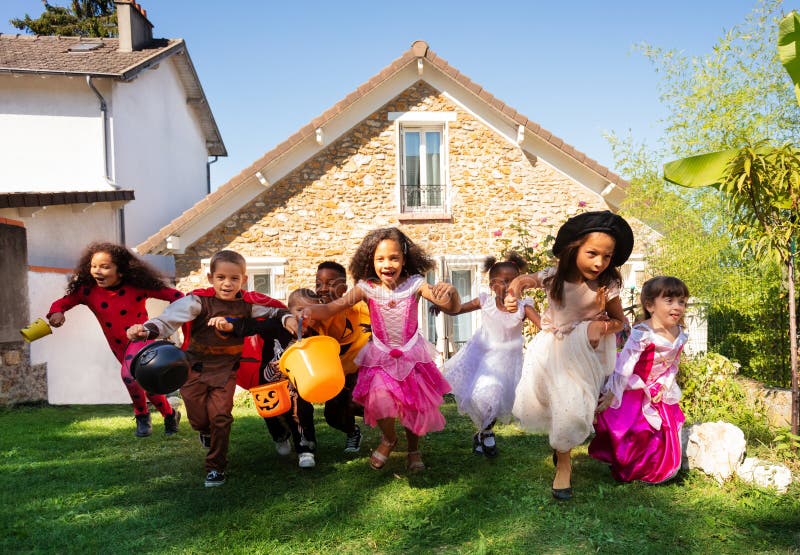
[761, 184]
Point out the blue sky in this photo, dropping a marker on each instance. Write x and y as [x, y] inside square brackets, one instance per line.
[270, 67]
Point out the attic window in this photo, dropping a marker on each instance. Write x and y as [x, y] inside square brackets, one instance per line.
[85, 46]
[422, 170]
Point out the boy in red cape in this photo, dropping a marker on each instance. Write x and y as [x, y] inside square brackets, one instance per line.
[213, 353]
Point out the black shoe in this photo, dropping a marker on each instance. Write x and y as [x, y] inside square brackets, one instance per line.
[477, 448]
[143, 426]
[215, 478]
[171, 422]
[353, 442]
[205, 440]
[564, 494]
[488, 443]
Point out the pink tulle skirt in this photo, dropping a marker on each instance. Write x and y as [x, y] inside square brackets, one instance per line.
[633, 448]
[414, 401]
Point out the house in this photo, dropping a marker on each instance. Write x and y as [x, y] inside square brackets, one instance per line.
[103, 139]
[419, 145]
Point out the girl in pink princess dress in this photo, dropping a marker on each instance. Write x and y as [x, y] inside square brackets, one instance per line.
[398, 378]
[639, 433]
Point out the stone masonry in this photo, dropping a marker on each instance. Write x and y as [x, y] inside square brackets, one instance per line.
[322, 209]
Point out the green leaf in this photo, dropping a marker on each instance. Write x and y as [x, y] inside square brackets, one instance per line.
[702, 170]
[789, 48]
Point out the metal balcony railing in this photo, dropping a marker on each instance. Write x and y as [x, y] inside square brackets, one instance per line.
[422, 198]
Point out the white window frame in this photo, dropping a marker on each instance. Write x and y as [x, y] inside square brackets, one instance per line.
[422, 122]
[473, 264]
[274, 267]
[444, 323]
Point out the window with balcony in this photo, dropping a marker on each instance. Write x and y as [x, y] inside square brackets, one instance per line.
[422, 162]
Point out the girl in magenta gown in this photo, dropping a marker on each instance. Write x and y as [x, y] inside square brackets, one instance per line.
[638, 433]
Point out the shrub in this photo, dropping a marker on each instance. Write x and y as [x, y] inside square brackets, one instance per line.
[711, 392]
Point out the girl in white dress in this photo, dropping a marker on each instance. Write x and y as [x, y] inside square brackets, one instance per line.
[568, 362]
[484, 373]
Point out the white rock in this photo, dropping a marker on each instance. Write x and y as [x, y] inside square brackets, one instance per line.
[716, 448]
[765, 474]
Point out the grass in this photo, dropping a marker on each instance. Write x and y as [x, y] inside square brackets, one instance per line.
[76, 480]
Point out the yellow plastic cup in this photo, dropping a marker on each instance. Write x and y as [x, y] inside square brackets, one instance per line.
[37, 329]
[313, 366]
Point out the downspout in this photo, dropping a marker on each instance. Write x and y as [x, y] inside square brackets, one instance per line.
[106, 162]
[208, 174]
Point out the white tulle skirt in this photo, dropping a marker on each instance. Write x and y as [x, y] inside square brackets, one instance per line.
[484, 376]
[560, 384]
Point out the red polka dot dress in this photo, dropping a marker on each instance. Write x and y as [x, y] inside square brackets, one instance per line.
[117, 309]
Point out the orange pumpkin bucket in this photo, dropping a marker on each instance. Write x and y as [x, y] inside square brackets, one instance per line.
[313, 366]
[272, 399]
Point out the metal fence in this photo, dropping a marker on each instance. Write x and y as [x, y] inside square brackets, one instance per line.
[748, 327]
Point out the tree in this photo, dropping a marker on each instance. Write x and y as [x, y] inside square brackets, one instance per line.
[84, 18]
[714, 102]
[762, 188]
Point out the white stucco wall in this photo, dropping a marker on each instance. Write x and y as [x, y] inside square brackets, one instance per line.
[80, 366]
[58, 234]
[51, 136]
[159, 150]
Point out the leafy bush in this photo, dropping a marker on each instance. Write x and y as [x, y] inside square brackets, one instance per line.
[711, 392]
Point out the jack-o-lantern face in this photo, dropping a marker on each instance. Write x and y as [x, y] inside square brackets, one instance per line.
[267, 400]
[272, 399]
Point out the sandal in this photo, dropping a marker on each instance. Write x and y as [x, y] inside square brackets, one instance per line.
[378, 459]
[415, 464]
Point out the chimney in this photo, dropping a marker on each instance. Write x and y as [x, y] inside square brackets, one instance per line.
[135, 31]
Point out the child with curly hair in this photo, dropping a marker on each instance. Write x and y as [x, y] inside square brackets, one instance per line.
[398, 378]
[115, 285]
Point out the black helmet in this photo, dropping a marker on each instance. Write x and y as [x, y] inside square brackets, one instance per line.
[160, 367]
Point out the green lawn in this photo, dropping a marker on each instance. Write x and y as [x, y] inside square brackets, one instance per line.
[76, 480]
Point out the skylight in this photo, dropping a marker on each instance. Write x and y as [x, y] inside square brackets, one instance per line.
[85, 46]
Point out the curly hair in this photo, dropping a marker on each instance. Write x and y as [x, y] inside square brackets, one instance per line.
[415, 260]
[513, 261]
[132, 269]
[566, 266]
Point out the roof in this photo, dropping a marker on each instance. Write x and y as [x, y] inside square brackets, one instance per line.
[52, 55]
[418, 52]
[34, 200]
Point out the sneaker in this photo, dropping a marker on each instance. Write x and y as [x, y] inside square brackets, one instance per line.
[488, 443]
[477, 448]
[205, 440]
[143, 426]
[306, 460]
[353, 442]
[171, 422]
[283, 447]
[215, 478]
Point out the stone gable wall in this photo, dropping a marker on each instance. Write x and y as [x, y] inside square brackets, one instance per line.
[322, 209]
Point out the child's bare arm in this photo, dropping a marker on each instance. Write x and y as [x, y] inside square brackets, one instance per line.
[324, 311]
[533, 316]
[520, 283]
[469, 306]
[443, 295]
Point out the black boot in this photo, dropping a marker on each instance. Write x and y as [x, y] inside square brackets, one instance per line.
[171, 422]
[143, 426]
